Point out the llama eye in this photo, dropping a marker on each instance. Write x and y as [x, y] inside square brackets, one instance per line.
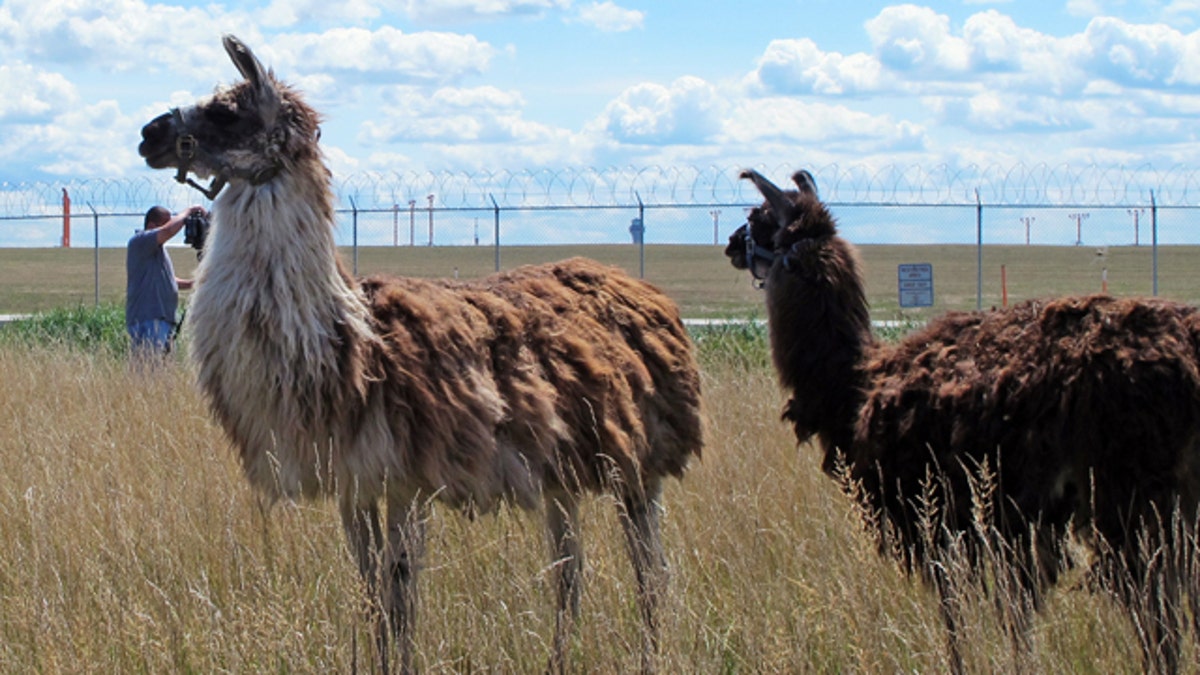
[221, 114]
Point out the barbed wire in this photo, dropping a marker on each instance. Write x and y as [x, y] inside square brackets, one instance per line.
[893, 184]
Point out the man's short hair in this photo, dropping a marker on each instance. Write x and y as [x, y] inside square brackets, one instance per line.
[157, 215]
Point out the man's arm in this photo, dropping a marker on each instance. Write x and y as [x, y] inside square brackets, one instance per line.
[174, 225]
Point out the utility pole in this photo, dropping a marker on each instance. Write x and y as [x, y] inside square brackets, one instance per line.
[716, 215]
[1027, 221]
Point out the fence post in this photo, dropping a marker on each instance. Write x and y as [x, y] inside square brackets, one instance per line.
[978, 251]
[412, 222]
[96, 250]
[1154, 243]
[66, 237]
[641, 239]
[496, 229]
[430, 198]
[354, 228]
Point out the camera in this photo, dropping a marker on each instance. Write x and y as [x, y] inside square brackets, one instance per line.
[195, 230]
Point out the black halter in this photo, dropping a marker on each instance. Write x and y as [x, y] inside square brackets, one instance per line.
[185, 150]
[755, 252]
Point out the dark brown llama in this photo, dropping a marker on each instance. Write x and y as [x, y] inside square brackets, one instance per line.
[532, 387]
[1073, 415]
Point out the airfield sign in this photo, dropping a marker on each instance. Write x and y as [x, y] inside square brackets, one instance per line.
[916, 284]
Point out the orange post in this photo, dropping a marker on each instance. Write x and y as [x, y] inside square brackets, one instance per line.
[66, 236]
[1003, 287]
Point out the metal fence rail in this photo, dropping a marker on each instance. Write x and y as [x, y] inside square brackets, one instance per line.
[1021, 184]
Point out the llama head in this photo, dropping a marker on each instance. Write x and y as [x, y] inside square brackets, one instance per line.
[249, 131]
[771, 228]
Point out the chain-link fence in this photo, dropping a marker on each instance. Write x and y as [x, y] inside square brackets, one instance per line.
[992, 229]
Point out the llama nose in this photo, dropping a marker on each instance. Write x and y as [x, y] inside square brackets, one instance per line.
[156, 136]
[156, 128]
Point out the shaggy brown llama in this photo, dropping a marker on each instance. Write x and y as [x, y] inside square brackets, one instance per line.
[530, 387]
[1082, 414]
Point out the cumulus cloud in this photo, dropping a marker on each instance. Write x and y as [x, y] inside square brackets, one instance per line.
[1139, 55]
[998, 112]
[32, 95]
[388, 55]
[464, 128]
[454, 115]
[89, 140]
[799, 66]
[821, 125]
[912, 38]
[116, 34]
[283, 13]
[460, 10]
[689, 110]
[917, 51]
[609, 17]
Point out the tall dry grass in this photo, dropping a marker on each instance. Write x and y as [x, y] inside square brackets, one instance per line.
[130, 543]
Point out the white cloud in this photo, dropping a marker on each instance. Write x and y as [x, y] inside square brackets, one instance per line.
[610, 18]
[481, 115]
[819, 124]
[461, 10]
[32, 96]
[91, 140]
[1138, 55]
[1181, 13]
[799, 66]
[1085, 8]
[386, 54]
[689, 110]
[1003, 112]
[908, 37]
[117, 34]
[290, 12]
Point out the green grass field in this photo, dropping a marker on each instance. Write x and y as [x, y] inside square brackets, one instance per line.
[698, 277]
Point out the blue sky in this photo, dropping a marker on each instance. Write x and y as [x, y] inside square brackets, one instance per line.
[522, 84]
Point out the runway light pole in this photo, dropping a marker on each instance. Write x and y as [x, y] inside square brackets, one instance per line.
[1027, 221]
[1079, 218]
[1137, 215]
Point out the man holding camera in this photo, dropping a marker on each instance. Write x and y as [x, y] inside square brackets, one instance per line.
[151, 287]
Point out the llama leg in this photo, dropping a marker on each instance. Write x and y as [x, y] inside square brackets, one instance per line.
[562, 524]
[363, 533]
[642, 533]
[402, 559]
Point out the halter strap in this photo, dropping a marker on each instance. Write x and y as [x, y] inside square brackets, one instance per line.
[185, 150]
[754, 252]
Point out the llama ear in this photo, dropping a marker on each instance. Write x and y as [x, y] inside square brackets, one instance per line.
[778, 201]
[805, 182]
[248, 64]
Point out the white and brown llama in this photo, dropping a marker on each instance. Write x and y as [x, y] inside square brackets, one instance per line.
[1017, 426]
[532, 387]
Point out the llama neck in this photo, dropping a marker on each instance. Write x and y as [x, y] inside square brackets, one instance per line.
[820, 337]
[272, 273]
